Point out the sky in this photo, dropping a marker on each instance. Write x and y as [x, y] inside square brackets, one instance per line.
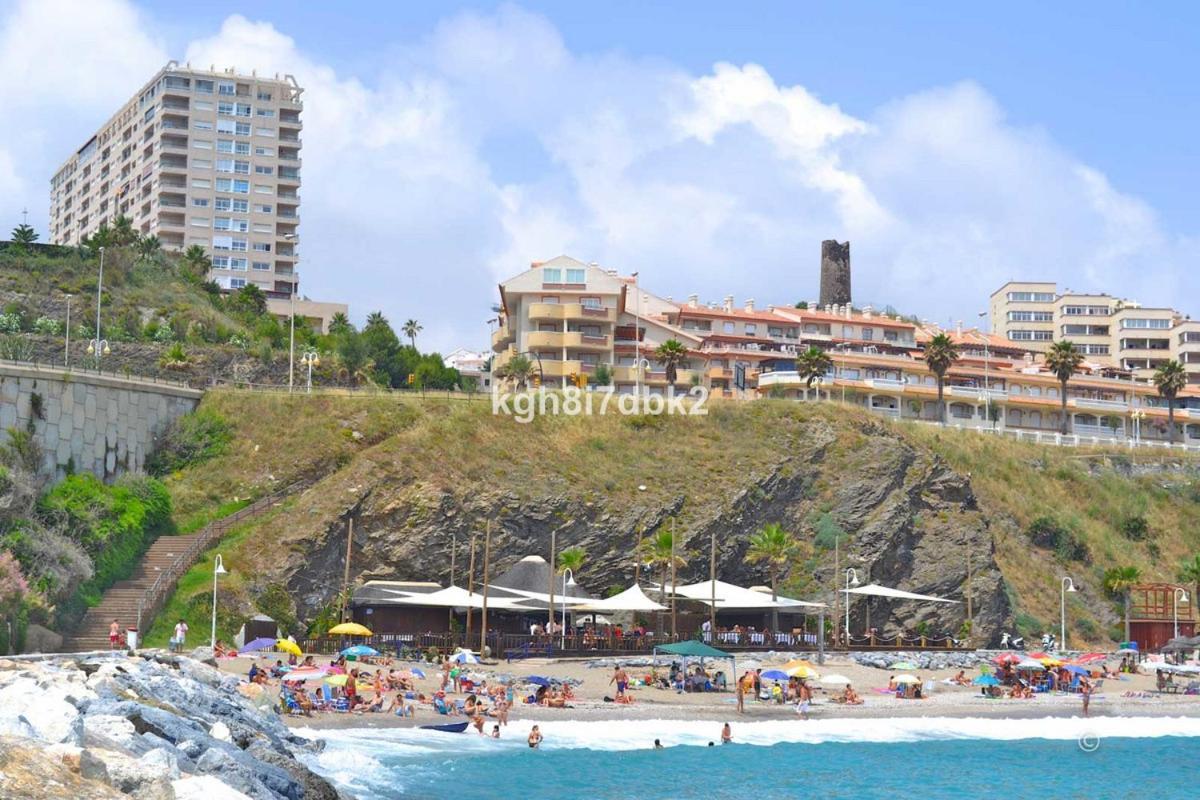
[708, 146]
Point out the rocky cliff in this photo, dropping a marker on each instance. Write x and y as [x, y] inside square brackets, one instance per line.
[901, 516]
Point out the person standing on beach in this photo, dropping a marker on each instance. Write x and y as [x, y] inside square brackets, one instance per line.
[621, 678]
[726, 734]
[445, 673]
[1085, 691]
[741, 696]
[758, 683]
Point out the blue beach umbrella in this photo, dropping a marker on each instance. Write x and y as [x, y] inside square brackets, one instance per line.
[538, 680]
[258, 644]
[1077, 670]
[360, 650]
[417, 672]
[775, 675]
[986, 680]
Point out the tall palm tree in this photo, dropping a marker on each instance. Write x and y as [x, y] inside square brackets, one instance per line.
[571, 558]
[1119, 581]
[1190, 571]
[812, 364]
[671, 354]
[339, 323]
[777, 548]
[519, 370]
[148, 247]
[123, 233]
[940, 355]
[376, 319]
[411, 329]
[661, 550]
[1064, 361]
[1171, 379]
[196, 261]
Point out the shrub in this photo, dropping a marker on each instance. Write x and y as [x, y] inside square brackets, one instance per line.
[175, 357]
[828, 531]
[277, 604]
[164, 333]
[10, 323]
[1135, 528]
[190, 439]
[1067, 545]
[47, 326]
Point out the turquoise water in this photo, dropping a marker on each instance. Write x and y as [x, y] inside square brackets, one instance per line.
[928, 759]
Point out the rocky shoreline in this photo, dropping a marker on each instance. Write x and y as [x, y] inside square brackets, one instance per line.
[153, 726]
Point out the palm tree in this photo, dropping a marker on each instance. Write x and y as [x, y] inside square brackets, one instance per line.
[671, 354]
[571, 558]
[1064, 360]
[411, 329]
[519, 370]
[1119, 581]
[776, 548]
[661, 550]
[196, 261]
[123, 233]
[376, 319]
[1190, 571]
[1171, 379]
[101, 238]
[812, 364]
[148, 247]
[24, 234]
[940, 355]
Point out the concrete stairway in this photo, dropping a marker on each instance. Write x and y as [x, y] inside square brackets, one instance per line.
[120, 602]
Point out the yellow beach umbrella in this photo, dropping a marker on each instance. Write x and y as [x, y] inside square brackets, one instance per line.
[350, 629]
[801, 671]
[1051, 662]
[337, 680]
[797, 662]
[289, 647]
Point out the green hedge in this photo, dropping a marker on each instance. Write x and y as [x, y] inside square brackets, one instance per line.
[114, 524]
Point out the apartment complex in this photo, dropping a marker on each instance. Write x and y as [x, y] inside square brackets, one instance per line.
[196, 158]
[1111, 333]
[570, 318]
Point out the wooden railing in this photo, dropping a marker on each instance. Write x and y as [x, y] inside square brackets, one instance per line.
[152, 600]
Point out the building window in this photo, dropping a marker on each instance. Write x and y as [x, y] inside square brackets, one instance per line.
[238, 264]
[201, 163]
[237, 283]
[260, 188]
[201, 183]
[226, 88]
[239, 245]
[728, 327]
[202, 125]
[226, 108]
[751, 329]
[221, 223]
[1031, 297]
[204, 87]
[264, 112]
[241, 167]
[220, 262]
[199, 222]
[262, 266]
[262, 247]
[242, 129]
[202, 144]
[263, 169]
[868, 334]
[222, 243]
[269, 132]
[576, 276]
[200, 202]
[264, 96]
[240, 205]
[263, 209]
[202, 105]
[264, 151]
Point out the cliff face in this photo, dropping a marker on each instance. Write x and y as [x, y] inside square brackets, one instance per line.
[906, 520]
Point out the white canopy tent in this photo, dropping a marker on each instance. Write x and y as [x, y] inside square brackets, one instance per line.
[731, 597]
[457, 597]
[542, 597]
[632, 599]
[875, 590]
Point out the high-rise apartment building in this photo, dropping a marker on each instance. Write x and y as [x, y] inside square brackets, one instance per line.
[196, 158]
[1109, 331]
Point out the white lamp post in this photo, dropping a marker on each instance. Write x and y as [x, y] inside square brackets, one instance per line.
[291, 329]
[98, 346]
[1138, 415]
[218, 569]
[566, 582]
[1180, 594]
[95, 347]
[67, 347]
[851, 580]
[310, 360]
[1067, 585]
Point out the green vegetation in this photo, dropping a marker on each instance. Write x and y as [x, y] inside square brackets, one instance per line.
[191, 439]
[1064, 361]
[940, 355]
[813, 364]
[671, 354]
[1170, 379]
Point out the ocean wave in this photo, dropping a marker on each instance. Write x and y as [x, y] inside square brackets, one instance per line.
[619, 735]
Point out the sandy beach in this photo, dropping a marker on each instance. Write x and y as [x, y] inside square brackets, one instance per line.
[947, 700]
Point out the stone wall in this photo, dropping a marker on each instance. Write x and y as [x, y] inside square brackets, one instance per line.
[102, 424]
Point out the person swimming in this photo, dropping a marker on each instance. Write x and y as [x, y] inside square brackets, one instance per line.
[726, 734]
[535, 738]
[658, 745]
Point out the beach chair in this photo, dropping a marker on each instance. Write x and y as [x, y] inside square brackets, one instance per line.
[1193, 687]
[332, 703]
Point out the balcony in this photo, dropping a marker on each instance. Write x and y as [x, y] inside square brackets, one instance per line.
[501, 338]
[886, 384]
[572, 311]
[977, 393]
[1103, 405]
[785, 378]
[287, 195]
[557, 369]
[576, 340]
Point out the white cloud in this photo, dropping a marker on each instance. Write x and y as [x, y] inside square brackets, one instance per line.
[722, 182]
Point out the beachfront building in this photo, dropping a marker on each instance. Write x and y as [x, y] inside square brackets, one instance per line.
[196, 157]
[1109, 331]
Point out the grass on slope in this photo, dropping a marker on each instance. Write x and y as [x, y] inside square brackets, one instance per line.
[1080, 491]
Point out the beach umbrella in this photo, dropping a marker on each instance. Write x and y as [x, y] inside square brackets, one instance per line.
[1030, 664]
[1089, 658]
[1078, 670]
[986, 680]
[805, 673]
[337, 680]
[538, 680]
[775, 675]
[1007, 658]
[1128, 651]
[360, 650]
[289, 647]
[793, 664]
[903, 665]
[907, 679]
[417, 671]
[260, 643]
[464, 657]
[836, 680]
[350, 629]
[1051, 662]
[306, 674]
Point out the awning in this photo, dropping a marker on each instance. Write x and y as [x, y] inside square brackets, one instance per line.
[457, 597]
[692, 649]
[632, 599]
[730, 597]
[875, 590]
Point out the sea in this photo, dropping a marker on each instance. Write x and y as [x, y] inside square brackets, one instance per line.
[920, 758]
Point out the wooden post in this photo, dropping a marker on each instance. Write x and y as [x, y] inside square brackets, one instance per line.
[637, 556]
[970, 618]
[453, 552]
[553, 555]
[487, 554]
[346, 572]
[470, 587]
[674, 633]
[837, 571]
[712, 585]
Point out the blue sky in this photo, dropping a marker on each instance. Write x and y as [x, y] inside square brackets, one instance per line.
[709, 147]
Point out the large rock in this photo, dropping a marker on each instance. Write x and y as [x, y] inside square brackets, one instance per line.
[26, 771]
[45, 712]
[205, 787]
[313, 785]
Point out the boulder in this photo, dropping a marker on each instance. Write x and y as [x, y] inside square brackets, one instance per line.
[314, 787]
[42, 640]
[205, 787]
[109, 731]
[25, 771]
[26, 706]
[220, 732]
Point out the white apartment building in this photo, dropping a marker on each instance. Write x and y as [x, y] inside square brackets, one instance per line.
[1109, 331]
[196, 157]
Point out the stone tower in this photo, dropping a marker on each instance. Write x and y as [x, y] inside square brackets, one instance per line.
[835, 273]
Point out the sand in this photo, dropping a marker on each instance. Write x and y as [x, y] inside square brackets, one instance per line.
[947, 700]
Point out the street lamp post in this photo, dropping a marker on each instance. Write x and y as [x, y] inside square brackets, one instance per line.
[218, 569]
[566, 583]
[310, 360]
[1067, 585]
[1180, 594]
[987, 381]
[1138, 415]
[851, 580]
[67, 347]
[97, 342]
[291, 328]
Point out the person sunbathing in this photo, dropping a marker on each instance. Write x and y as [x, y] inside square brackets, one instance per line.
[851, 697]
[961, 678]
